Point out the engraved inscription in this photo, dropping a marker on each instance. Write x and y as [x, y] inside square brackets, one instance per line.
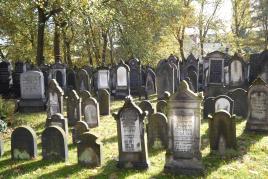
[258, 105]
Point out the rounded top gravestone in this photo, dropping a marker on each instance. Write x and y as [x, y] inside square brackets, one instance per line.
[145, 105]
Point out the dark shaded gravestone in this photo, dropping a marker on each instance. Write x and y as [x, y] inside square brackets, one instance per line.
[161, 106]
[131, 136]
[113, 79]
[150, 82]
[83, 80]
[189, 66]
[58, 72]
[20, 68]
[189, 82]
[135, 76]
[122, 80]
[58, 120]
[79, 128]
[222, 131]
[103, 78]
[1, 147]
[104, 102]
[32, 92]
[184, 115]
[173, 60]
[55, 98]
[73, 108]
[258, 106]
[45, 70]
[71, 80]
[89, 150]
[264, 65]
[5, 77]
[157, 134]
[54, 144]
[145, 105]
[23, 143]
[208, 107]
[90, 110]
[164, 78]
[194, 80]
[239, 96]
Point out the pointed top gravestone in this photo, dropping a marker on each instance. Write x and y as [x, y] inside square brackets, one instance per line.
[83, 80]
[145, 105]
[90, 111]
[79, 128]
[73, 108]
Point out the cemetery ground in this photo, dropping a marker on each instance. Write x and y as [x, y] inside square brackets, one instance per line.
[249, 161]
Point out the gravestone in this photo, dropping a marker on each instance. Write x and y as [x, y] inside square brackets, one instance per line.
[58, 120]
[113, 79]
[5, 77]
[45, 70]
[239, 96]
[23, 143]
[145, 105]
[55, 98]
[122, 80]
[54, 144]
[32, 92]
[90, 110]
[89, 150]
[194, 80]
[135, 76]
[189, 82]
[104, 102]
[131, 136]
[83, 80]
[184, 115]
[257, 106]
[58, 72]
[209, 107]
[73, 108]
[223, 102]
[103, 78]
[164, 78]
[20, 68]
[264, 65]
[161, 106]
[71, 80]
[222, 131]
[150, 82]
[79, 128]
[172, 59]
[1, 147]
[189, 66]
[157, 130]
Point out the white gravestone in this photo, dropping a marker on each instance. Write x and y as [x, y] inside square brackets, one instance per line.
[91, 115]
[103, 79]
[222, 104]
[236, 71]
[121, 76]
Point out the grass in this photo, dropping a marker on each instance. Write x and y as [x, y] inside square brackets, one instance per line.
[250, 160]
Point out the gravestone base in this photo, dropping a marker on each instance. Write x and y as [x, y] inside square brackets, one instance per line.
[184, 167]
[31, 105]
[133, 165]
[256, 127]
[121, 93]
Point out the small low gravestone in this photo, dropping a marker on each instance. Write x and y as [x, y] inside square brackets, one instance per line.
[58, 120]
[104, 102]
[145, 105]
[222, 131]
[23, 143]
[73, 108]
[239, 96]
[89, 150]
[131, 136]
[79, 128]
[1, 147]
[161, 106]
[184, 115]
[258, 106]
[54, 144]
[157, 130]
[55, 98]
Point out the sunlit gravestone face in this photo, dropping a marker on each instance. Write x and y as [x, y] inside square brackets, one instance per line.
[236, 71]
[103, 79]
[122, 76]
[258, 102]
[54, 103]
[222, 104]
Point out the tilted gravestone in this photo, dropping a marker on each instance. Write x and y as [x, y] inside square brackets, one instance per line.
[83, 80]
[71, 80]
[145, 105]
[58, 72]
[103, 78]
[131, 136]
[1, 147]
[161, 106]
[164, 78]
[73, 108]
[5, 77]
[222, 131]
[135, 76]
[157, 130]
[257, 106]
[54, 144]
[32, 92]
[89, 150]
[104, 102]
[122, 80]
[23, 143]
[184, 115]
[79, 128]
[58, 120]
[150, 82]
[239, 96]
[55, 98]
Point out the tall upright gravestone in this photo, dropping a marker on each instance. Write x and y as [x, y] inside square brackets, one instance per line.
[131, 136]
[103, 78]
[150, 82]
[258, 106]
[184, 115]
[70, 80]
[83, 80]
[58, 72]
[20, 68]
[122, 80]
[104, 102]
[5, 77]
[73, 108]
[135, 76]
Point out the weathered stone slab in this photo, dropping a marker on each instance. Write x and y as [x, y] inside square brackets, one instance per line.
[73, 108]
[104, 102]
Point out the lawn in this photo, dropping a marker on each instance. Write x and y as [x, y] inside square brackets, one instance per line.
[249, 161]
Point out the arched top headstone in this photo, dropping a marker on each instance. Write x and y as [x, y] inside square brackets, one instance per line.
[145, 105]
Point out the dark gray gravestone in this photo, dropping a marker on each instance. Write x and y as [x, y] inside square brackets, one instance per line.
[54, 144]
[55, 98]
[45, 70]
[83, 95]
[135, 76]
[157, 131]
[73, 108]
[190, 65]
[1, 147]
[113, 79]
[58, 72]
[239, 96]
[32, 92]
[145, 105]
[257, 106]
[208, 107]
[104, 102]
[89, 150]
[161, 106]
[222, 131]
[71, 80]
[164, 78]
[23, 143]
[79, 128]
[194, 80]
[20, 68]
[184, 115]
[150, 82]
[5, 77]
[83, 80]
[58, 120]
[131, 136]
[264, 65]
[122, 80]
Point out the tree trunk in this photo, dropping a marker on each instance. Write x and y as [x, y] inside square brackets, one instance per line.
[40, 36]
[68, 54]
[56, 42]
[111, 48]
[104, 47]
